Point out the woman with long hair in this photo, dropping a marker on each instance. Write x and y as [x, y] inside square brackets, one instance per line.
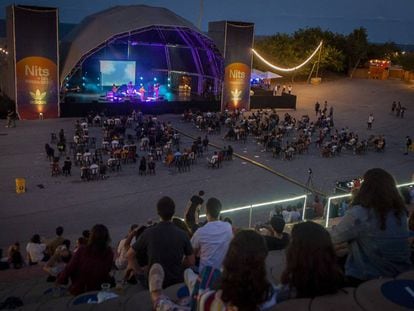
[311, 264]
[91, 264]
[376, 230]
[243, 285]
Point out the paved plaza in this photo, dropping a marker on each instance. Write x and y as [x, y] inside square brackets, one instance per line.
[126, 198]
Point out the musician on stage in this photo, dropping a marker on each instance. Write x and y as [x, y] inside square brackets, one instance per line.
[142, 93]
[114, 88]
[156, 90]
[130, 88]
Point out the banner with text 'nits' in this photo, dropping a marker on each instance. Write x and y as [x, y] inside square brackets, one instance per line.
[36, 61]
[238, 63]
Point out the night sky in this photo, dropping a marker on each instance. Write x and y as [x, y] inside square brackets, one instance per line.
[385, 20]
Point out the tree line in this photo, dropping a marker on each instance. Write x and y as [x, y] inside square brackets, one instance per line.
[340, 53]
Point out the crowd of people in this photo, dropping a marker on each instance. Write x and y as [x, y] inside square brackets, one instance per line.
[285, 136]
[123, 139]
[224, 267]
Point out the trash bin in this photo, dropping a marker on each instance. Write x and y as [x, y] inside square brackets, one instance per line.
[20, 185]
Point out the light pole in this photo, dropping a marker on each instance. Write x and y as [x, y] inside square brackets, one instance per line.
[200, 15]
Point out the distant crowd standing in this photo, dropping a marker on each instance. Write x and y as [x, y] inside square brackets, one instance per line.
[225, 267]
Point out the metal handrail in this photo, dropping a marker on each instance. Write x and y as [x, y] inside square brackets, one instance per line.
[328, 208]
[251, 207]
[255, 206]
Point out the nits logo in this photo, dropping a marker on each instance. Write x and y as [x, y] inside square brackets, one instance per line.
[38, 97]
[237, 74]
[36, 71]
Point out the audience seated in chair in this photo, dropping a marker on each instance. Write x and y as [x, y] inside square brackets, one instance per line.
[102, 170]
[151, 167]
[143, 166]
[67, 167]
[214, 160]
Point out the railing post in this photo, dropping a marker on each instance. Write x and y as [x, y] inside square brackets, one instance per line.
[304, 208]
[328, 211]
[250, 216]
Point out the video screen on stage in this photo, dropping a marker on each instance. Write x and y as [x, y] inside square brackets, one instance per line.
[117, 72]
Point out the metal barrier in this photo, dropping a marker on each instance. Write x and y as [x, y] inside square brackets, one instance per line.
[328, 206]
[256, 207]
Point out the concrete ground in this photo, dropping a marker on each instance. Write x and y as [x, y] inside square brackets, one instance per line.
[126, 198]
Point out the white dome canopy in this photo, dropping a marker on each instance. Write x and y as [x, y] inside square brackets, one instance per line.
[101, 27]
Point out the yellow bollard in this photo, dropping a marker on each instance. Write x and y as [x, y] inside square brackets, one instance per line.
[20, 185]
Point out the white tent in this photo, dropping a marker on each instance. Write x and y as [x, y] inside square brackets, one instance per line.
[101, 27]
[257, 74]
[271, 75]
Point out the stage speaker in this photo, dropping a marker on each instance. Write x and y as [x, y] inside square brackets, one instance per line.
[32, 40]
[235, 41]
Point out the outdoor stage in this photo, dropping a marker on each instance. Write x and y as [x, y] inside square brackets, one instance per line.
[78, 105]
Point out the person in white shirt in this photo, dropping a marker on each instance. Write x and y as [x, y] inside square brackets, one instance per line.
[287, 214]
[295, 215]
[211, 241]
[36, 250]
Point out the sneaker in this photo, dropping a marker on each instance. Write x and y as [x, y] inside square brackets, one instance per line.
[155, 277]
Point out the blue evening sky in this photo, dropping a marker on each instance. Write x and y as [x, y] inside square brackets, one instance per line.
[385, 20]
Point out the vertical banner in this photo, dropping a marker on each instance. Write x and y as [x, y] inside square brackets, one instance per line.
[36, 61]
[238, 43]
